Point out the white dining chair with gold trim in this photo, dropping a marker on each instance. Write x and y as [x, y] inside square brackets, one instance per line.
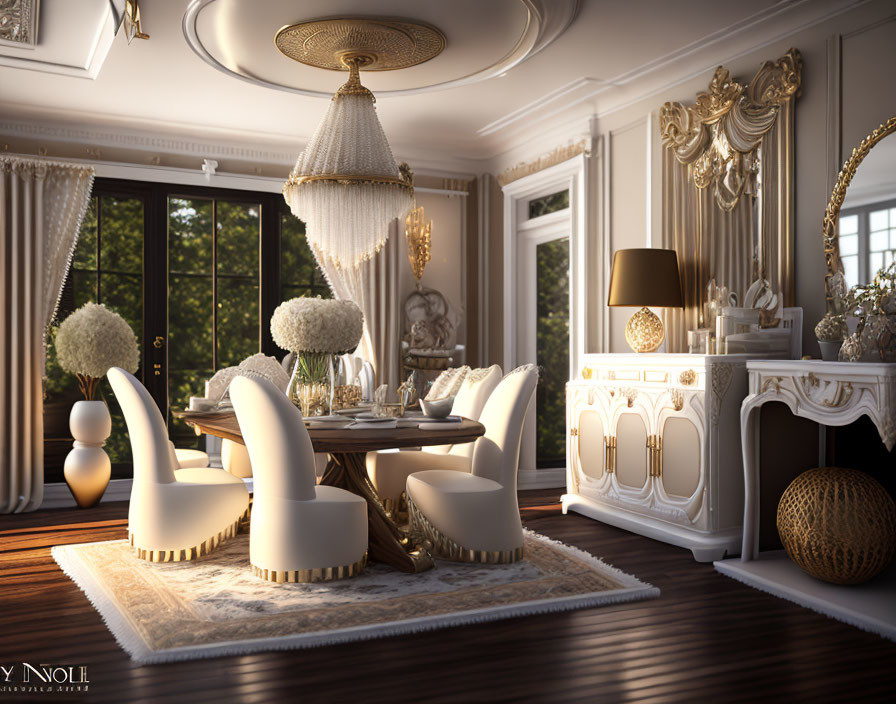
[475, 517]
[299, 531]
[389, 469]
[174, 514]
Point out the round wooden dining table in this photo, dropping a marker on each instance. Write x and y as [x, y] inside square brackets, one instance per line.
[347, 469]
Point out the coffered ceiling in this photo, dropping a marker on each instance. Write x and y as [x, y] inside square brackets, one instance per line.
[210, 69]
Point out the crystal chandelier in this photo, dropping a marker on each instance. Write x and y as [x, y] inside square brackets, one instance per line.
[346, 186]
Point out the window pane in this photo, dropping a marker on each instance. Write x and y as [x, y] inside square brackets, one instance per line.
[85, 250]
[121, 234]
[552, 350]
[875, 262]
[549, 204]
[892, 239]
[238, 327]
[879, 220]
[297, 263]
[849, 224]
[849, 244]
[878, 241]
[851, 269]
[238, 237]
[189, 236]
[189, 322]
[123, 293]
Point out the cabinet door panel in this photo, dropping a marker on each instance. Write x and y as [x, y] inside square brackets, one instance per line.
[591, 444]
[631, 450]
[681, 457]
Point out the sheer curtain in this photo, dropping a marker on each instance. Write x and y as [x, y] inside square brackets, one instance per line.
[42, 204]
[374, 286]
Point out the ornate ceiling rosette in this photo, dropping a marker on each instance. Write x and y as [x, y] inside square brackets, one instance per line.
[719, 136]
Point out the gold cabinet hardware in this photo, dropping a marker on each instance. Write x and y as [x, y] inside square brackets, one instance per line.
[157, 369]
[573, 432]
[687, 377]
[655, 455]
[586, 372]
[610, 442]
[159, 342]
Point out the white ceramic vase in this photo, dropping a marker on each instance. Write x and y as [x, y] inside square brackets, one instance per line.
[87, 467]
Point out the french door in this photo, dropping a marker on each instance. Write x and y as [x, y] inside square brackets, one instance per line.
[543, 297]
[196, 272]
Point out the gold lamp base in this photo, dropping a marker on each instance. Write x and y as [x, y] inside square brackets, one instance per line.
[644, 331]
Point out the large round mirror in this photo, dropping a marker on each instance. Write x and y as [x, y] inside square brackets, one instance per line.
[867, 223]
[860, 220]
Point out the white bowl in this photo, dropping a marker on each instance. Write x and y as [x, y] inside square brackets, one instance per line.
[437, 409]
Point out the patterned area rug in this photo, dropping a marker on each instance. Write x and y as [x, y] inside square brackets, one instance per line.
[160, 612]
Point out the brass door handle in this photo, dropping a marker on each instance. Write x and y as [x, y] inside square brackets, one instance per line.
[159, 342]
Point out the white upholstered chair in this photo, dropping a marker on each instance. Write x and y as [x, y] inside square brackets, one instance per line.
[299, 532]
[174, 514]
[190, 459]
[475, 517]
[389, 470]
[235, 459]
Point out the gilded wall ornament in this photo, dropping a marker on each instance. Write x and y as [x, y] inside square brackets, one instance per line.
[719, 136]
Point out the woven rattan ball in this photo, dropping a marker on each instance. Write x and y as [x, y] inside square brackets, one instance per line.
[839, 525]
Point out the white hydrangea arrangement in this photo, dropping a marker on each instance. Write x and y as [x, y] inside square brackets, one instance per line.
[92, 340]
[316, 325]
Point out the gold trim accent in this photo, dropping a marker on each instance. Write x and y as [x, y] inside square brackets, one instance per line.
[558, 156]
[347, 179]
[314, 574]
[195, 552]
[419, 237]
[655, 455]
[385, 43]
[610, 443]
[830, 222]
[687, 377]
[445, 548]
[586, 372]
[573, 432]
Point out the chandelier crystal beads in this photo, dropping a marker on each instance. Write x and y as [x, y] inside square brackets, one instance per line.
[346, 186]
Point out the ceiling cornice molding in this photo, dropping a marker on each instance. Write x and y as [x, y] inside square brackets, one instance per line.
[152, 143]
[559, 101]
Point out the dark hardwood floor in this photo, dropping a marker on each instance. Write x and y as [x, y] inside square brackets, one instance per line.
[707, 638]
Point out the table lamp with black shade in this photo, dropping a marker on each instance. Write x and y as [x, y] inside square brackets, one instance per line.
[645, 277]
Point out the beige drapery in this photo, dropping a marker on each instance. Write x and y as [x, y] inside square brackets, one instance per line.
[41, 207]
[373, 286]
[728, 188]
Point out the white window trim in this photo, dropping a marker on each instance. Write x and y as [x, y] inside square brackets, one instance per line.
[573, 174]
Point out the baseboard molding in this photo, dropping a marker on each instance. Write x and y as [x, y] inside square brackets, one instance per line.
[57, 495]
[541, 478]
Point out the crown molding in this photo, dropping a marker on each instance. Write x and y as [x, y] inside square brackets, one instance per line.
[681, 63]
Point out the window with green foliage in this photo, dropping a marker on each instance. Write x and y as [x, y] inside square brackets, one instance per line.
[107, 268]
[213, 295]
[299, 273]
[548, 204]
[197, 273]
[552, 350]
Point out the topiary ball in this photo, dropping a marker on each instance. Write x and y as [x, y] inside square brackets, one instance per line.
[838, 525]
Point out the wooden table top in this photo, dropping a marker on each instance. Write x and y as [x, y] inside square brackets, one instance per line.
[328, 439]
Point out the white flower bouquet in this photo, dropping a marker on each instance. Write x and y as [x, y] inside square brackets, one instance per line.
[326, 326]
[92, 340]
[315, 329]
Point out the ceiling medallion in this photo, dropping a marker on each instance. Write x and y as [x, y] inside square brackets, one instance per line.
[386, 44]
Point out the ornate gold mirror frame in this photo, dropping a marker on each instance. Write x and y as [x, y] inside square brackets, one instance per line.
[834, 282]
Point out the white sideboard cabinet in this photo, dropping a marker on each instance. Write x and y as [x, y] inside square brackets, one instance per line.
[653, 446]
